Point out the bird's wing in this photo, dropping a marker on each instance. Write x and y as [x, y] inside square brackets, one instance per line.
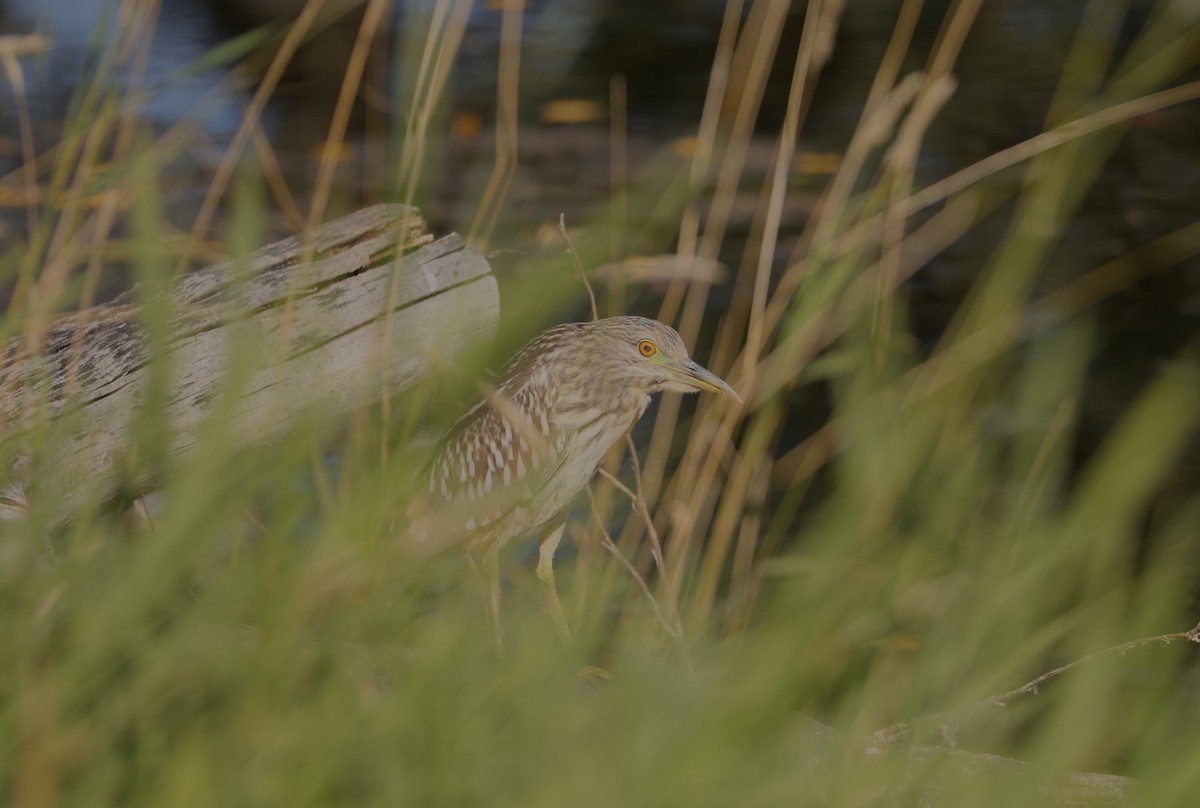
[498, 457]
[501, 453]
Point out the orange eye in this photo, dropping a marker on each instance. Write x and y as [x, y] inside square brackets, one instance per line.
[647, 348]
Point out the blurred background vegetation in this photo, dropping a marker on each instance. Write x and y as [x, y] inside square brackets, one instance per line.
[946, 251]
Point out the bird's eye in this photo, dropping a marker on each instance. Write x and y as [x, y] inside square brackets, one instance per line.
[647, 348]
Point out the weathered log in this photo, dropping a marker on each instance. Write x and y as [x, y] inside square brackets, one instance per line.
[364, 306]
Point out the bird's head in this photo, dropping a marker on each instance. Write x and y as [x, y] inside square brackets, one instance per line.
[649, 356]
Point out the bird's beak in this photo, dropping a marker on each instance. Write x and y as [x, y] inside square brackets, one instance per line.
[691, 375]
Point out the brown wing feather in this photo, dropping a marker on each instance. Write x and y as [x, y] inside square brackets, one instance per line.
[503, 450]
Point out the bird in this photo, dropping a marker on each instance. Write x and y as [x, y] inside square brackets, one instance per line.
[512, 465]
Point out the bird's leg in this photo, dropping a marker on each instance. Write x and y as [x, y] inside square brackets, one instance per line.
[491, 576]
[545, 574]
[594, 676]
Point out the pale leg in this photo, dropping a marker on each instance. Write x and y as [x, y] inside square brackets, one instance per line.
[545, 574]
[491, 578]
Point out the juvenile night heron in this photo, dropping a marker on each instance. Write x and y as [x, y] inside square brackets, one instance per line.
[513, 464]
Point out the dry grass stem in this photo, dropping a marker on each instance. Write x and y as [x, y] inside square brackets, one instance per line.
[971, 351]
[440, 48]
[507, 120]
[948, 719]
[11, 49]
[297, 33]
[672, 627]
[639, 505]
[562, 230]
[336, 137]
[864, 231]
[277, 183]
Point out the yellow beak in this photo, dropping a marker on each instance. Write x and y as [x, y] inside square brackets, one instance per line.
[688, 372]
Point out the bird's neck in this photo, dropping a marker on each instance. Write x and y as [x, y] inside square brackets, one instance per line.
[578, 410]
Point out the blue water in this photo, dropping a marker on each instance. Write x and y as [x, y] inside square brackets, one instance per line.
[185, 32]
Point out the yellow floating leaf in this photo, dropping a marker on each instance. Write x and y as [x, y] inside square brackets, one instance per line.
[817, 162]
[685, 146]
[573, 110]
[467, 125]
[344, 154]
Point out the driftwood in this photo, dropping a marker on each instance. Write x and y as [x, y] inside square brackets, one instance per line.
[363, 307]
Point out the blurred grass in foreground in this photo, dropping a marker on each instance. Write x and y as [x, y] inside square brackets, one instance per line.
[262, 641]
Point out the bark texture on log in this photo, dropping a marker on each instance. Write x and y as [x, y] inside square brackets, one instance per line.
[364, 307]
